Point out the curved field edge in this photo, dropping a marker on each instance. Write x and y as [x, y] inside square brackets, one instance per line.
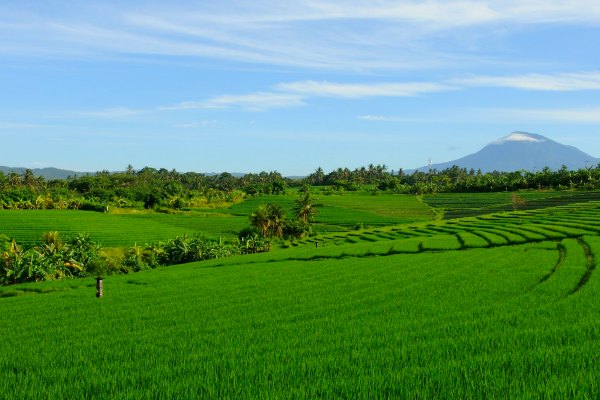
[465, 325]
[431, 319]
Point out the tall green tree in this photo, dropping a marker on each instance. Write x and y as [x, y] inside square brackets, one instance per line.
[260, 219]
[269, 219]
[277, 219]
[305, 209]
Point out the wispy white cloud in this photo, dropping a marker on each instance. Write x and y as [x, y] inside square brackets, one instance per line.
[259, 101]
[589, 115]
[386, 118]
[112, 113]
[195, 125]
[379, 118]
[305, 33]
[361, 90]
[299, 93]
[544, 82]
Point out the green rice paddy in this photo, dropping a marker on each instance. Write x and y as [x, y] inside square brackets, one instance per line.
[500, 305]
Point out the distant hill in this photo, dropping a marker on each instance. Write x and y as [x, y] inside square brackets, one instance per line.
[522, 151]
[47, 173]
[56, 173]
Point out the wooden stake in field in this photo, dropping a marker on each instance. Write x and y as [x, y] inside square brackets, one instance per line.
[99, 287]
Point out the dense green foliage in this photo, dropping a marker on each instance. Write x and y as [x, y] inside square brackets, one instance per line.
[147, 188]
[456, 179]
[162, 189]
[49, 260]
[80, 256]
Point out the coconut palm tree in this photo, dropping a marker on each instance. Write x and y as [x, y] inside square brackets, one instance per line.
[260, 219]
[277, 219]
[305, 208]
[269, 219]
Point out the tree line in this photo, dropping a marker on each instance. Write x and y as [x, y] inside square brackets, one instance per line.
[147, 188]
[455, 179]
[155, 189]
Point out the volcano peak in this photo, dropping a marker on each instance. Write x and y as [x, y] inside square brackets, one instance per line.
[521, 137]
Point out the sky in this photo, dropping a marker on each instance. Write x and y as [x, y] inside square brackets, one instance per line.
[250, 86]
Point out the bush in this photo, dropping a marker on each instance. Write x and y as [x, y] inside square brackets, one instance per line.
[248, 231]
[88, 205]
[295, 229]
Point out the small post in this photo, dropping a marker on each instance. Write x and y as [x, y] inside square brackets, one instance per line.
[99, 287]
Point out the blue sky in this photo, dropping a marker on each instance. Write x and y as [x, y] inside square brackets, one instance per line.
[246, 86]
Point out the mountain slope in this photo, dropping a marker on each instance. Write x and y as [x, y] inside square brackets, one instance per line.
[47, 173]
[522, 151]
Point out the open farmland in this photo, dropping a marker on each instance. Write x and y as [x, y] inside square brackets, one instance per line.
[456, 205]
[490, 306]
[341, 212]
[338, 213]
[116, 229]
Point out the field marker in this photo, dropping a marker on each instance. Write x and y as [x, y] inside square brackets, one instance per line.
[99, 287]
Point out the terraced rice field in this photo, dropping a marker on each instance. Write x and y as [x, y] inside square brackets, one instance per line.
[458, 205]
[500, 322]
[501, 305]
[571, 222]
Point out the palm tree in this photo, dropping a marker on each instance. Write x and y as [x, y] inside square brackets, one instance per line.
[277, 219]
[14, 179]
[28, 178]
[260, 219]
[269, 219]
[305, 208]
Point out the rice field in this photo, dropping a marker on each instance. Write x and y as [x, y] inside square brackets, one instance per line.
[502, 305]
[458, 205]
[115, 230]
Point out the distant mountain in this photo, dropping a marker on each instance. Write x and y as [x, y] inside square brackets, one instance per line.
[47, 173]
[55, 173]
[522, 151]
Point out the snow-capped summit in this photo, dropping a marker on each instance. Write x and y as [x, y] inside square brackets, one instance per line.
[522, 151]
[521, 137]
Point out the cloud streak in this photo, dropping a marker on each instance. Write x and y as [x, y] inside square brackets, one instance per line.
[362, 90]
[299, 93]
[113, 113]
[301, 34]
[386, 118]
[583, 115]
[557, 82]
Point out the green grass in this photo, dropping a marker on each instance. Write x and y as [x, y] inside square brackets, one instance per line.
[441, 242]
[458, 205]
[342, 212]
[115, 229]
[472, 240]
[465, 325]
[501, 306]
